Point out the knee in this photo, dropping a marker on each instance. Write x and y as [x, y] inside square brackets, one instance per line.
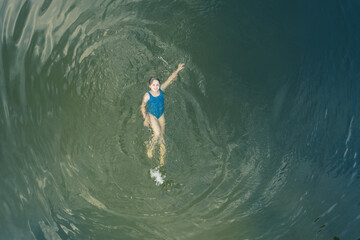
[157, 135]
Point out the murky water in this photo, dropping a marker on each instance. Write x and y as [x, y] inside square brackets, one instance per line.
[262, 125]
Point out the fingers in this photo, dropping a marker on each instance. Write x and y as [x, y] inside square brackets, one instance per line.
[181, 66]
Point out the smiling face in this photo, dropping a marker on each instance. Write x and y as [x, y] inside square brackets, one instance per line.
[154, 85]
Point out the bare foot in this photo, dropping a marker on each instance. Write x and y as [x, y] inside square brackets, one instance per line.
[162, 153]
[150, 152]
[161, 162]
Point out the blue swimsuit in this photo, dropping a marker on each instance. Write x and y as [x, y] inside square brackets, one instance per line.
[156, 104]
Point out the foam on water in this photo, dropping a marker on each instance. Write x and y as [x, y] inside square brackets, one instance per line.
[156, 175]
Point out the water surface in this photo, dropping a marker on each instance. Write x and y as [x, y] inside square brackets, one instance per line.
[262, 128]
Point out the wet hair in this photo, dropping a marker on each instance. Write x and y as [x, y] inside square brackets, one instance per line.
[153, 79]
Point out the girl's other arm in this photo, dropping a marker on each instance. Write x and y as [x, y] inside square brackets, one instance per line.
[172, 77]
[143, 110]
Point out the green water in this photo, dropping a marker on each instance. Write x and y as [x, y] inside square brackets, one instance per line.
[262, 124]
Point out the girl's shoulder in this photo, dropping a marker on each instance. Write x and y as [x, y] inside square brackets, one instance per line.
[146, 96]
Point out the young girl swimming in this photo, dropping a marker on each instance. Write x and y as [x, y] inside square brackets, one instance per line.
[155, 115]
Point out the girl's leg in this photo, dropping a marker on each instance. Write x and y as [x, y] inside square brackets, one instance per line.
[155, 125]
[162, 125]
[162, 141]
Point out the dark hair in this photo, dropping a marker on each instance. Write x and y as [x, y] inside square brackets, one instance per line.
[152, 79]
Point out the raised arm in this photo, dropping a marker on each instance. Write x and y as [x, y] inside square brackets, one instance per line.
[172, 77]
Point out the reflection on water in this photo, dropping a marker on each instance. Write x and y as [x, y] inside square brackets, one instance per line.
[262, 125]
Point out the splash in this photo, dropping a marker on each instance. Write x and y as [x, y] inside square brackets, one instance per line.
[156, 175]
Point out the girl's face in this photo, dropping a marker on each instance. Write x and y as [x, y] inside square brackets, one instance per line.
[154, 86]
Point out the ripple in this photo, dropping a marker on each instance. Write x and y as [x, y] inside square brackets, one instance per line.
[74, 158]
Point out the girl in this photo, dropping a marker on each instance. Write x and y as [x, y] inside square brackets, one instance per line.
[155, 115]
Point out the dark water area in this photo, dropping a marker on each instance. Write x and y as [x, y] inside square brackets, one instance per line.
[262, 125]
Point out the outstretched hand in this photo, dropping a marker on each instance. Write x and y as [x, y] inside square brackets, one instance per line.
[172, 76]
[180, 66]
